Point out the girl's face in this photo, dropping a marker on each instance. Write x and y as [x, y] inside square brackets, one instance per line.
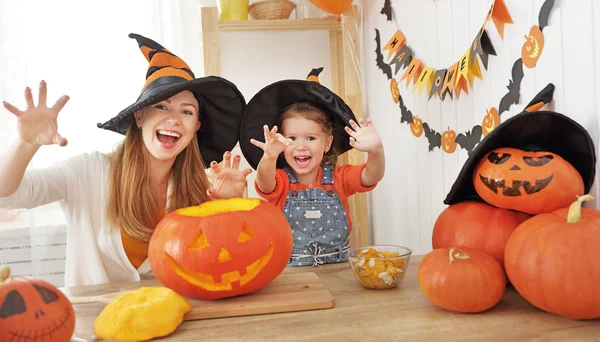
[169, 126]
[310, 142]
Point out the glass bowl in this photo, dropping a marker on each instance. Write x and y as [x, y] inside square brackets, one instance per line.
[379, 266]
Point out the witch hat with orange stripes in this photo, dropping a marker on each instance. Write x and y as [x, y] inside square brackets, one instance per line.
[221, 103]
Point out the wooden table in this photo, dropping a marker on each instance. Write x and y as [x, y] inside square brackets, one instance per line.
[401, 314]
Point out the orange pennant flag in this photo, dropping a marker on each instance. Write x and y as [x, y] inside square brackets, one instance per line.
[412, 72]
[500, 16]
[395, 43]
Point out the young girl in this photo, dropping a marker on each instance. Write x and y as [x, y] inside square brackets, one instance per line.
[113, 202]
[306, 184]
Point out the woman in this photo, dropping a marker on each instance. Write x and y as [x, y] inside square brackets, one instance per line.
[113, 202]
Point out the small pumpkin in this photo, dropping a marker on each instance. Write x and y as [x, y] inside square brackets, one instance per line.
[141, 315]
[221, 248]
[33, 310]
[533, 47]
[394, 89]
[416, 126]
[478, 226]
[531, 182]
[449, 141]
[552, 261]
[461, 280]
[490, 121]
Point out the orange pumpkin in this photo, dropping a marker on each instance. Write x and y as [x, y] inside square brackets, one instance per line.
[531, 182]
[394, 89]
[464, 280]
[533, 47]
[490, 121]
[33, 310]
[333, 6]
[552, 261]
[416, 126]
[449, 141]
[221, 248]
[476, 225]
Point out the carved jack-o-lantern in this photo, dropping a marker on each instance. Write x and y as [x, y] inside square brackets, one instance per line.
[394, 90]
[33, 310]
[416, 126]
[490, 121]
[530, 182]
[449, 141]
[221, 248]
[533, 46]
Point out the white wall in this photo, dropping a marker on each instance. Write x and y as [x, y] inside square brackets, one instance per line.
[409, 199]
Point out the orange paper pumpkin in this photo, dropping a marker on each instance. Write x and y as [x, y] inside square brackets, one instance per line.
[533, 46]
[552, 261]
[449, 141]
[394, 89]
[416, 126]
[33, 310]
[490, 121]
[332, 6]
[531, 182]
[221, 248]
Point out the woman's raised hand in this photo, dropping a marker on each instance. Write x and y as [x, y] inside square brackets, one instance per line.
[37, 124]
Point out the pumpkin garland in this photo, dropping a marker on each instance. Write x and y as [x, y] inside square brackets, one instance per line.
[552, 261]
[468, 139]
[33, 310]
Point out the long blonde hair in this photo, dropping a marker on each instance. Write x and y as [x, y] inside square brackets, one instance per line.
[133, 203]
[311, 112]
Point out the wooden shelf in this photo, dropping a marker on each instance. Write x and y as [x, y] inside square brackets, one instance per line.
[327, 24]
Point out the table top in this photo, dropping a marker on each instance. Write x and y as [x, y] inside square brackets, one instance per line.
[360, 314]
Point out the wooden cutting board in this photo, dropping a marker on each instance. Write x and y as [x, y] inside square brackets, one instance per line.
[298, 291]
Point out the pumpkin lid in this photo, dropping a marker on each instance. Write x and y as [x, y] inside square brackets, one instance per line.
[268, 104]
[540, 130]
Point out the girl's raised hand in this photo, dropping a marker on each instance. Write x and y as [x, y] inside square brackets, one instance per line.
[364, 137]
[274, 144]
[37, 125]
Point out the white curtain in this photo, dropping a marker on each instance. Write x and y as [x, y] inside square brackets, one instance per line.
[80, 48]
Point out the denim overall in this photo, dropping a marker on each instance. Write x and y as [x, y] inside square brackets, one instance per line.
[318, 222]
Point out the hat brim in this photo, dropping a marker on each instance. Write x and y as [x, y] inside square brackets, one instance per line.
[545, 130]
[267, 105]
[221, 108]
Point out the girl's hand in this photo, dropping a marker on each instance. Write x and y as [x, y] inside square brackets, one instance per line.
[365, 137]
[37, 125]
[274, 144]
[230, 182]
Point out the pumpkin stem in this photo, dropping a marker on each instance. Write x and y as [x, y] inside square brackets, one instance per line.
[457, 254]
[4, 273]
[575, 208]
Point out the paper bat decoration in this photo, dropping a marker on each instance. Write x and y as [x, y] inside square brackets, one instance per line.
[544, 15]
[387, 10]
[381, 64]
[435, 138]
[514, 88]
[406, 114]
[469, 139]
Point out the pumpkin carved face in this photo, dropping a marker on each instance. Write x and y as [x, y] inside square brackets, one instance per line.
[533, 46]
[449, 141]
[222, 248]
[394, 90]
[416, 126]
[490, 121]
[34, 310]
[530, 182]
